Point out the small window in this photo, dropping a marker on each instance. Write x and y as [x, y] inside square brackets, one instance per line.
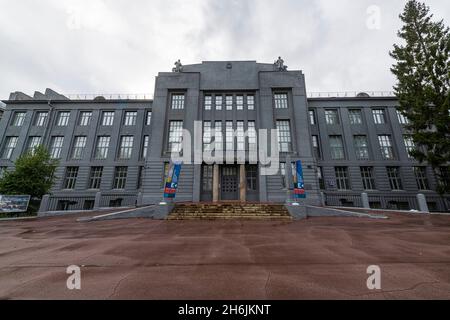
[120, 177]
[312, 117]
[240, 102]
[409, 145]
[126, 147]
[284, 136]
[10, 146]
[379, 116]
[251, 102]
[41, 119]
[70, 178]
[394, 178]
[101, 151]
[78, 147]
[178, 101]
[33, 143]
[149, 118]
[229, 102]
[130, 118]
[387, 151]
[355, 116]
[95, 178]
[367, 178]
[85, 118]
[175, 136]
[145, 147]
[208, 102]
[331, 117]
[342, 178]
[56, 147]
[361, 147]
[337, 148]
[108, 118]
[63, 119]
[421, 178]
[401, 118]
[19, 119]
[281, 100]
[316, 147]
[219, 102]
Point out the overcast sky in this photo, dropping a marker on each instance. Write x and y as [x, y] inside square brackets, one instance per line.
[118, 46]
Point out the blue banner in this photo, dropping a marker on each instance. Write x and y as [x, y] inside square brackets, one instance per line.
[299, 183]
[171, 185]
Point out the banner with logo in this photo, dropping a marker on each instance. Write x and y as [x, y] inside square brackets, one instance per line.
[299, 184]
[171, 185]
[12, 204]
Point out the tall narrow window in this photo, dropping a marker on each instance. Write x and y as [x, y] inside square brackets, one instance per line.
[19, 119]
[386, 148]
[332, 117]
[395, 180]
[284, 136]
[337, 148]
[252, 139]
[320, 178]
[178, 101]
[229, 102]
[229, 137]
[250, 102]
[312, 117]
[126, 147]
[56, 147]
[175, 136]
[208, 102]
[63, 119]
[361, 147]
[95, 178]
[240, 135]
[342, 178]
[421, 178]
[78, 148]
[101, 151]
[367, 178]
[355, 116]
[281, 100]
[85, 118]
[149, 118]
[207, 136]
[120, 177]
[145, 147]
[70, 178]
[10, 146]
[33, 143]
[140, 177]
[108, 118]
[240, 102]
[379, 116]
[219, 102]
[130, 118]
[207, 178]
[41, 119]
[316, 147]
[401, 118]
[409, 145]
[218, 136]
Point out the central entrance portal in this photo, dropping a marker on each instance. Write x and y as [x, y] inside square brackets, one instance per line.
[229, 182]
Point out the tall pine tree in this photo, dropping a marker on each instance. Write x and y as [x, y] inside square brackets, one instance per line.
[422, 71]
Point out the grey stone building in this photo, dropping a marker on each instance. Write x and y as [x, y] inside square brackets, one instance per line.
[115, 151]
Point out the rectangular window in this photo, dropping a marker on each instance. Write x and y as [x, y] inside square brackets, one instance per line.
[409, 145]
[387, 151]
[208, 102]
[379, 116]
[108, 118]
[78, 147]
[401, 118]
[148, 121]
[281, 100]
[101, 151]
[395, 180]
[342, 178]
[70, 178]
[10, 146]
[140, 177]
[219, 102]
[207, 178]
[367, 178]
[229, 137]
[218, 136]
[120, 177]
[240, 102]
[85, 118]
[312, 117]
[361, 147]
[130, 118]
[316, 147]
[320, 178]
[284, 135]
[63, 119]
[421, 178]
[207, 136]
[332, 117]
[251, 175]
[252, 138]
[33, 143]
[126, 147]
[355, 116]
[56, 147]
[19, 118]
[229, 102]
[250, 102]
[337, 148]
[175, 136]
[178, 101]
[95, 178]
[41, 119]
[145, 147]
[240, 135]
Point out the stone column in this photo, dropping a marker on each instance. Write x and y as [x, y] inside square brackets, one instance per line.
[216, 183]
[242, 183]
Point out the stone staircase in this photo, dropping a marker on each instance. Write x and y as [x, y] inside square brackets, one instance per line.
[230, 211]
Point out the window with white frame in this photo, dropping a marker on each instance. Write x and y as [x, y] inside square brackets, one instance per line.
[178, 101]
[240, 102]
[218, 136]
[229, 136]
[78, 147]
[379, 116]
[401, 118]
[107, 118]
[421, 178]
[10, 146]
[207, 136]
[145, 147]
[41, 118]
[208, 102]
[219, 102]
[331, 117]
[56, 143]
[63, 119]
[355, 116]
[19, 119]
[395, 180]
[252, 138]
[409, 145]
[70, 179]
[281, 100]
[284, 136]
[312, 117]
[342, 178]
[126, 147]
[85, 118]
[120, 177]
[367, 178]
[130, 118]
[175, 136]
[337, 148]
[148, 121]
[361, 147]
[229, 102]
[387, 151]
[101, 150]
[251, 102]
[33, 143]
[240, 135]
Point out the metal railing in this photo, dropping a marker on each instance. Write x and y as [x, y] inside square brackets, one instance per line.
[63, 202]
[112, 200]
[109, 96]
[350, 94]
[71, 203]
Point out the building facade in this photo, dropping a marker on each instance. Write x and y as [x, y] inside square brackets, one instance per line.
[121, 148]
